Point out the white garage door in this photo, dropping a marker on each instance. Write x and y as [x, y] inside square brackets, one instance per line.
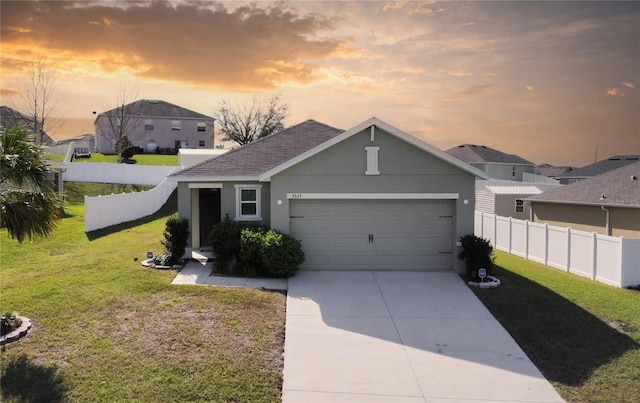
[374, 234]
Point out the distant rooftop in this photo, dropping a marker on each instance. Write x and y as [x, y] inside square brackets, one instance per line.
[551, 171]
[160, 109]
[10, 117]
[601, 167]
[617, 187]
[472, 153]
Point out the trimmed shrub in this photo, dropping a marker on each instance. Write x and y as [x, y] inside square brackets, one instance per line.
[247, 249]
[225, 239]
[282, 254]
[477, 253]
[176, 236]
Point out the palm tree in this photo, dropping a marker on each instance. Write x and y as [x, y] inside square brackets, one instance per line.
[29, 205]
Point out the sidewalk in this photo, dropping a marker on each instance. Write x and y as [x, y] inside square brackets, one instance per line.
[198, 271]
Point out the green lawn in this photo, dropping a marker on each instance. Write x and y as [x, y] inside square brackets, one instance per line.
[107, 329]
[141, 159]
[584, 336]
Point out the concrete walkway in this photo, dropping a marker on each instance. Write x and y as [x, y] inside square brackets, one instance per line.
[199, 272]
[400, 337]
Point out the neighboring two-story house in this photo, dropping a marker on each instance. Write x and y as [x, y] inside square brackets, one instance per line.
[497, 164]
[154, 126]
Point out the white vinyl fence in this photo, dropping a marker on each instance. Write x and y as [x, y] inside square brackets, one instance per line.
[611, 260]
[104, 172]
[104, 211]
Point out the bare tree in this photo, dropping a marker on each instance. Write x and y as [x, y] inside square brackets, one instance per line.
[248, 123]
[37, 99]
[119, 125]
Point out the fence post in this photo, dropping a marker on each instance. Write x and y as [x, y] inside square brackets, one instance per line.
[495, 230]
[510, 233]
[568, 249]
[546, 244]
[526, 239]
[594, 255]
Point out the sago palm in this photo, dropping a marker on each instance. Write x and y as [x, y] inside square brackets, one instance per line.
[29, 205]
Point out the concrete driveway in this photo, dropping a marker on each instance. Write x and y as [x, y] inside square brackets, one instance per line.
[400, 337]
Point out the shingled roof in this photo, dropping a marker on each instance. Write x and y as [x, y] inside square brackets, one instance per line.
[619, 187]
[472, 153]
[551, 171]
[159, 109]
[10, 117]
[264, 154]
[601, 166]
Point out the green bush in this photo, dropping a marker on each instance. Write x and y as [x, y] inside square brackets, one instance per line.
[282, 254]
[247, 249]
[270, 253]
[249, 258]
[176, 236]
[9, 322]
[225, 240]
[477, 253]
[164, 259]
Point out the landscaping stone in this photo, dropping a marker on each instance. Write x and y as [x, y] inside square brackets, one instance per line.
[18, 333]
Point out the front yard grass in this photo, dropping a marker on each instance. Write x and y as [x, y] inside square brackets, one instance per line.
[583, 336]
[107, 329]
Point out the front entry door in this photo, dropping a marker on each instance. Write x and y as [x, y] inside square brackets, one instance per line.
[209, 213]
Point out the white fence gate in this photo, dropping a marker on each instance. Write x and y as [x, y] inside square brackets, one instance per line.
[610, 260]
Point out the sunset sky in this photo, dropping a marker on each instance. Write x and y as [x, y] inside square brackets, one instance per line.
[548, 81]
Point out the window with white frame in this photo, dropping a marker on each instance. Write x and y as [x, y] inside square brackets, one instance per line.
[202, 127]
[248, 206]
[148, 124]
[519, 206]
[176, 125]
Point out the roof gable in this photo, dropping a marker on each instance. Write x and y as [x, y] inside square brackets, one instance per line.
[472, 153]
[253, 159]
[614, 188]
[374, 123]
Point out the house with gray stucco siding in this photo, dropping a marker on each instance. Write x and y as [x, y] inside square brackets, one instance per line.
[372, 197]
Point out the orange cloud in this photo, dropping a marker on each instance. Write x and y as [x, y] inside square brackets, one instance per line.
[613, 91]
[530, 87]
[412, 7]
[466, 93]
[197, 42]
[7, 92]
[461, 73]
[629, 85]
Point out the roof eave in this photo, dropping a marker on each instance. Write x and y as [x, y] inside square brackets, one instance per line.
[207, 178]
[579, 203]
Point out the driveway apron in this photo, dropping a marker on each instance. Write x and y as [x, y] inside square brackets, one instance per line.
[400, 337]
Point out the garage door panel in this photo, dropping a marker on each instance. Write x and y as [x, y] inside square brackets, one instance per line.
[407, 234]
[443, 244]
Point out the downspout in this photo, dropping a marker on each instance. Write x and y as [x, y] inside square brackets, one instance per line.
[530, 212]
[607, 219]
